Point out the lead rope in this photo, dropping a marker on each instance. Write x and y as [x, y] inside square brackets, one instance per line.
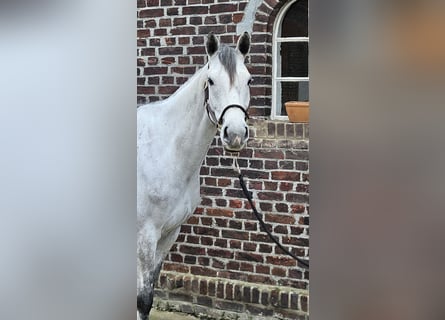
[258, 215]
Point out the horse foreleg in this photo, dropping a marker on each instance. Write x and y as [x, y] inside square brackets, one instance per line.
[151, 254]
[148, 271]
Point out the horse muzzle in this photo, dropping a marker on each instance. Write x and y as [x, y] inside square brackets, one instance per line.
[234, 139]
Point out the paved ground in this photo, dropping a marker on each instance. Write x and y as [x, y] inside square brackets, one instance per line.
[163, 315]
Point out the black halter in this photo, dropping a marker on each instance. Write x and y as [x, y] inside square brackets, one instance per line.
[211, 114]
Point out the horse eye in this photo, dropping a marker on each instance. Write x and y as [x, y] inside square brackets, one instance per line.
[249, 82]
[211, 82]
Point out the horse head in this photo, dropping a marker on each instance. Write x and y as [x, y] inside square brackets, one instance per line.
[228, 89]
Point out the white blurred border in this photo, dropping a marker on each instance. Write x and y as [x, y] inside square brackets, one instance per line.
[68, 155]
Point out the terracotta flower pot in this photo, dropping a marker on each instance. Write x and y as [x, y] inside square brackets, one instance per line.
[297, 111]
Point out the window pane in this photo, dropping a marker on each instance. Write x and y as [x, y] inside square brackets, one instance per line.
[292, 91]
[295, 22]
[294, 59]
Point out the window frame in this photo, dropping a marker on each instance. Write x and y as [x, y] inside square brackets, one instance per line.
[276, 60]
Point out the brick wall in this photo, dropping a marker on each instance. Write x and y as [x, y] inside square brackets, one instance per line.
[222, 262]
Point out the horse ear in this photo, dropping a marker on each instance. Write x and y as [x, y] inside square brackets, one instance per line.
[212, 44]
[244, 43]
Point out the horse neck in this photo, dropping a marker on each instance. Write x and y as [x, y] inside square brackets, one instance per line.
[194, 131]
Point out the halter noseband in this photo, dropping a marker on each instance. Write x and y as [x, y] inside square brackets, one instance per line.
[211, 114]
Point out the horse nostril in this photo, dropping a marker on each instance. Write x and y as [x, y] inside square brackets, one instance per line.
[246, 135]
[226, 135]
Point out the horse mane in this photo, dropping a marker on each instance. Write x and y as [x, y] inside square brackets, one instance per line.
[227, 57]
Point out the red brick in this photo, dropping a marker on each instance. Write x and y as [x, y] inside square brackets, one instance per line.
[195, 20]
[224, 19]
[297, 155]
[304, 303]
[297, 208]
[249, 246]
[210, 191]
[281, 261]
[270, 186]
[250, 226]
[280, 229]
[262, 269]
[141, 42]
[235, 234]
[259, 279]
[302, 188]
[175, 267]
[279, 218]
[247, 267]
[203, 287]
[183, 70]
[151, 13]
[160, 32]
[167, 89]
[210, 20]
[237, 17]
[220, 290]
[235, 244]
[304, 221]
[155, 70]
[256, 174]
[140, 62]
[192, 239]
[282, 207]
[152, 3]
[184, 60]
[271, 196]
[145, 90]
[265, 206]
[222, 223]
[194, 10]
[268, 164]
[188, 30]
[148, 51]
[155, 42]
[196, 50]
[192, 250]
[144, 33]
[206, 221]
[167, 79]
[249, 256]
[217, 29]
[280, 272]
[220, 253]
[207, 241]
[286, 175]
[219, 212]
[296, 197]
[219, 8]
[198, 270]
[221, 202]
[269, 154]
[296, 230]
[233, 265]
[170, 51]
[152, 60]
[206, 230]
[168, 60]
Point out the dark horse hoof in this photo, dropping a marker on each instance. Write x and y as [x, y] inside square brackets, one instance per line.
[144, 303]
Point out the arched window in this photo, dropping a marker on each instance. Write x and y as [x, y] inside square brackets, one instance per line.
[290, 77]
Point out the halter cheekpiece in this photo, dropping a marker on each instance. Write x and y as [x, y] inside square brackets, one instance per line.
[211, 114]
